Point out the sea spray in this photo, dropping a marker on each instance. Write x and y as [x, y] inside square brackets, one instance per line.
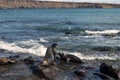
[94, 56]
[31, 31]
[109, 32]
[13, 47]
[39, 50]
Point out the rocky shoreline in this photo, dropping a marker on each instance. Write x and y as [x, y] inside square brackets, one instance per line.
[29, 68]
[21, 4]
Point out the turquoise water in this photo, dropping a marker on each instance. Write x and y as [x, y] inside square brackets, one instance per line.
[32, 30]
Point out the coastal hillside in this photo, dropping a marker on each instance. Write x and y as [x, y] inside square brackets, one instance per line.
[5, 4]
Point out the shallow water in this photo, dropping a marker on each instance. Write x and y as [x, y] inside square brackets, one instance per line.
[32, 30]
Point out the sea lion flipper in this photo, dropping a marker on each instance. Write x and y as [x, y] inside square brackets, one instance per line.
[68, 59]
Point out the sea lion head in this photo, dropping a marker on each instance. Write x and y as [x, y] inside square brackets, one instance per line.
[61, 55]
[54, 45]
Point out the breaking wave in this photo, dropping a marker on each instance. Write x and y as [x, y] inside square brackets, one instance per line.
[94, 56]
[35, 48]
[106, 32]
[31, 47]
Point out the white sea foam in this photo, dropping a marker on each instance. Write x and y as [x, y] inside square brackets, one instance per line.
[93, 57]
[39, 50]
[36, 49]
[109, 32]
[43, 40]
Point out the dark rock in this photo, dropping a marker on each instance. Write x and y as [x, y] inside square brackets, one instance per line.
[88, 65]
[46, 73]
[13, 57]
[34, 71]
[70, 57]
[29, 60]
[106, 48]
[102, 48]
[108, 70]
[2, 50]
[18, 71]
[103, 76]
[68, 33]
[38, 72]
[109, 35]
[81, 72]
[117, 48]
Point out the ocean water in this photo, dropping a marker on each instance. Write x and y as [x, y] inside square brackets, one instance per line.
[77, 31]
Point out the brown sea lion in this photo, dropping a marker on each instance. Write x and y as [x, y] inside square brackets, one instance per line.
[4, 61]
[50, 55]
[69, 57]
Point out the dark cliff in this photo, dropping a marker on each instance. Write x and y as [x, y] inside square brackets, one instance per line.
[5, 4]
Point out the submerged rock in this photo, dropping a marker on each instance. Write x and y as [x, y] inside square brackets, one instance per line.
[106, 48]
[67, 33]
[102, 48]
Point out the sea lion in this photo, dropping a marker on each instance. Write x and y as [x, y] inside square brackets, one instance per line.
[4, 61]
[50, 55]
[69, 57]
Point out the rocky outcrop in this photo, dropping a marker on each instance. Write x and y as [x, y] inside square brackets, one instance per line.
[29, 68]
[47, 73]
[64, 71]
[108, 70]
[5, 4]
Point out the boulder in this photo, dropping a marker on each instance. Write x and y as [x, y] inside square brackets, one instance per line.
[29, 60]
[108, 70]
[81, 72]
[47, 73]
